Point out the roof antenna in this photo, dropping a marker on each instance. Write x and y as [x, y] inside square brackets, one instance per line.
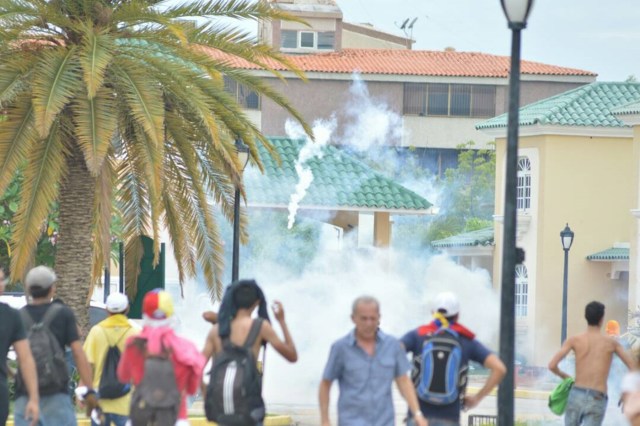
[407, 27]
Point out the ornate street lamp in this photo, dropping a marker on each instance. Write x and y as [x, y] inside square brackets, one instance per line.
[243, 156]
[516, 12]
[566, 236]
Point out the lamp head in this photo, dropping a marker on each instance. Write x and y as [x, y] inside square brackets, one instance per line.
[243, 153]
[517, 12]
[566, 237]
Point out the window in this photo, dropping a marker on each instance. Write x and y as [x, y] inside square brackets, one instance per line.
[307, 39]
[523, 199]
[326, 40]
[291, 39]
[246, 97]
[453, 100]
[522, 291]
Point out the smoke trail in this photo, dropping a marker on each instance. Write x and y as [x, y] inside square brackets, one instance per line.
[322, 130]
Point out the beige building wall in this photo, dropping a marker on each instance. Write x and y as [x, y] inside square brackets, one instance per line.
[585, 182]
[356, 40]
[634, 255]
[442, 132]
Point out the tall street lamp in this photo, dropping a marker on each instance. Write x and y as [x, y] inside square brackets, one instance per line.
[243, 156]
[566, 236]
[516, 12]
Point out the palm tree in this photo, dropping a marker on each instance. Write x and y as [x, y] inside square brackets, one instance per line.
[116, 106]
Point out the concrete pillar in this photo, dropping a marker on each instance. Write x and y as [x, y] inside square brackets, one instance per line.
[381, 229]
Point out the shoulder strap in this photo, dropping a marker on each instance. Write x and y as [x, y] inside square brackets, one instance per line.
[27, 319]
[254, 331]
[51, 313]
[106, 336]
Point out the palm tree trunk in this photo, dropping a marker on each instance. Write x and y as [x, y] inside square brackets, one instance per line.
[73, 254]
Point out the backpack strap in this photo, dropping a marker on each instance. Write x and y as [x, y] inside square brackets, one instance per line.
[254, 331]
[106, 336]
[49, 315]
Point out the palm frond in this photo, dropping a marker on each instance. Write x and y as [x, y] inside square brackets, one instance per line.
[95, 55]
[55, 81]
[17, 135]
[43, 172]
[95, 122]
[142, 96]
[235, 9]
[103, 206]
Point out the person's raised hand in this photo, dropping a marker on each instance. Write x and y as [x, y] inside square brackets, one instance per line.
[278, 310]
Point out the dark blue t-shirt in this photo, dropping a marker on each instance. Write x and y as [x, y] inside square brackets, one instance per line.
[472, 350]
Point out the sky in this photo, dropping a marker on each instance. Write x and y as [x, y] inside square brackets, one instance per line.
[593, 35]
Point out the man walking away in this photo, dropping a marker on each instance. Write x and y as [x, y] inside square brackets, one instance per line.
[104, 346]
[594, 352]
[365, 363]
[238, 337]
[164, 367]
[51, 327]
[12, 333]
[442, 350]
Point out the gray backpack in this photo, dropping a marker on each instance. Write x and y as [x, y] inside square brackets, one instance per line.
[156, 400]
[51, 365]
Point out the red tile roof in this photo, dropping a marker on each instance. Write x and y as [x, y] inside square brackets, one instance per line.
[411, 62]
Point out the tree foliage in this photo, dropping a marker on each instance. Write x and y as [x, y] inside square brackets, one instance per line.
[468, 194]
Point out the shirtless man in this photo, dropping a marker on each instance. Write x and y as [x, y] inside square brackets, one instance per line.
[594, 352]
[234, 321]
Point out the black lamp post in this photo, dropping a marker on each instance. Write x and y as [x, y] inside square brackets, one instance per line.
[516, 12]
[243, 156]
[566, 236]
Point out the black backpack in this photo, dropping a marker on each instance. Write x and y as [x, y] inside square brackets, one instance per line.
[234, 393]
[51, 364]
[156, 400]
[110, 387]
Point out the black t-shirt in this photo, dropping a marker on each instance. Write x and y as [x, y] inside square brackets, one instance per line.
[11, 330]
[63, 327]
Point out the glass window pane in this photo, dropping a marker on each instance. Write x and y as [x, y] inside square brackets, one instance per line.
[306, 39]
[326, 40]
[438, 102]
[230, 85]
[483, 101]
[289, 39]
[414, 98]
[247, 98]
[461, 100]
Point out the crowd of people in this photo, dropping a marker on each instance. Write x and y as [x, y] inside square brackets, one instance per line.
[144, 377]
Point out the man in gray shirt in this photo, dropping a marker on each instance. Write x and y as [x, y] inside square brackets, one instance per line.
[365, 363]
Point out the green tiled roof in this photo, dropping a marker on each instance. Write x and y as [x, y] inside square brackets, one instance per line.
[481, 237]
[627, 109]
[340, 182]
[590, 105]
[613, 253]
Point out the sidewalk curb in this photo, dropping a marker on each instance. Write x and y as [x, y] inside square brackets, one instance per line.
[518, 393]
[199, 421]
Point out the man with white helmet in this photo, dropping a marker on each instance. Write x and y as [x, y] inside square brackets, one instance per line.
[442, 350]
[112, 332]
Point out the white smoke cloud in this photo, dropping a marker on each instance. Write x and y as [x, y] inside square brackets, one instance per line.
[369, 121]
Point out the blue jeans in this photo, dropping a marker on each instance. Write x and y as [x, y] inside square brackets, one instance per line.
[585, 407]
[55, 410]
[112, 419]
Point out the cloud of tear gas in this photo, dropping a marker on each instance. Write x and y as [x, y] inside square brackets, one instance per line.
[318, 307]
[370, 121]
[322, 130]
